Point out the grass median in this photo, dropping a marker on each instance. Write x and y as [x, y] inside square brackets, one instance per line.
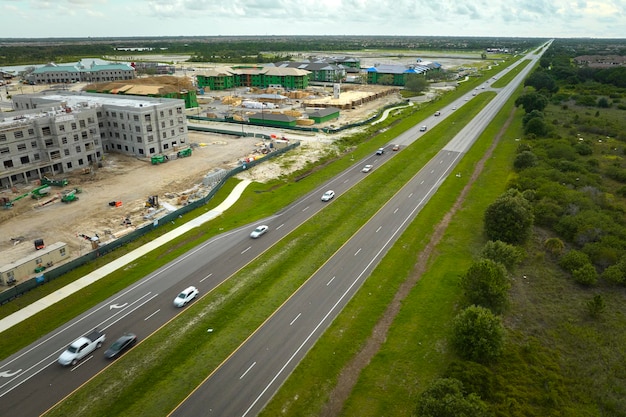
[159, 373]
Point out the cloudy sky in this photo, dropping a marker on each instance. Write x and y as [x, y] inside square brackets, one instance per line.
[502, 18]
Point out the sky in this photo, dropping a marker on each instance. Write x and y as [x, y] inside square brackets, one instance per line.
[491, 18]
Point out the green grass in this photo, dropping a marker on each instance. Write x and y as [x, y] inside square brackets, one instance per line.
[242, 302]
[416, 349]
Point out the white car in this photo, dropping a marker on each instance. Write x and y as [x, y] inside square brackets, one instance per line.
[437, 113]
[259, 231]
[367, 168]
[328, 195]
[423, 128]
[185, 296]
[454, 108]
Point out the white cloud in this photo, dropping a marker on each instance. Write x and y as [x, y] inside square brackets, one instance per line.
[536, 18]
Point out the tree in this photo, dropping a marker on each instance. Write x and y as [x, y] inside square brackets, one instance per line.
[536, 126]
[524, 160]
[554, 245]
[503, 253]
[477, 335]
[416, 83]
[574, 260]
[444, 397]
[486, 284]
[586, 275]
[541, 80]
[509, 218]
[532, 101]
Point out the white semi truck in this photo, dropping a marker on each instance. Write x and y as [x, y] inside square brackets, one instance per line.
[81, 347]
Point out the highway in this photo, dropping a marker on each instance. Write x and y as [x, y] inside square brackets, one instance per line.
[31, 380]
[248, 379]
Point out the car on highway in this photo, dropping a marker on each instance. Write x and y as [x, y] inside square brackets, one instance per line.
[423, 128]
[367, 168]
[259, 231]
[437, 113]
[120, 345]
[395, 148]
[186, 296]
[380, 151]
[328, 195]
[454, 108]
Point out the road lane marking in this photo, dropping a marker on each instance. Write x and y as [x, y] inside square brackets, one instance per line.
[378, 230]
[331, 280]
[357, 252]
[208, 276]
[294, 320]
[151, 315]
[246, 250]
[247, 370]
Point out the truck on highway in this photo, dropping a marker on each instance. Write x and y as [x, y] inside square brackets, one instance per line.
[81, 347]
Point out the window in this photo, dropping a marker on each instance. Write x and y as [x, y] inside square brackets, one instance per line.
[8, 164]
[36, 157]
[139, 140]
[82, 123]
[45, 131]
[3, 137]
[113, 114]
[69, 165]
[49, 143]
[140, 151]
[161, 113]
[19, 134]
[75, 138]
[149, 128]
[147, 117]
[66, 152]
[171, 123]
[115, 125]
[137, 129]
[136, 117]
[64, 140]
[90, 120]
[84, 135]
[151, 150]
[61, 128]
[80, 162]
[62, 251]
[172, 132]
[150, 139]
[166, 146]
[164, 135]
[31, 132]
[4, 150]
[73, 126]
[170, 112]
[21, 146]
[163, 124]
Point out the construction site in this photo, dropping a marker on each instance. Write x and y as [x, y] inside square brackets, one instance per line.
[80, 211]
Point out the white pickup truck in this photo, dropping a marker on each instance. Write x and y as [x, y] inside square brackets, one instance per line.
[81, 347]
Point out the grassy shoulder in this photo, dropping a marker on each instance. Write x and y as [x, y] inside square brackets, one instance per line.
[241, 303]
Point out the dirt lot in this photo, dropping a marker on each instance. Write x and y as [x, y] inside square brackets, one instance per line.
[132, 181]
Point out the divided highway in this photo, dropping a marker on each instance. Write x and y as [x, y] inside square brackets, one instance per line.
[31, 381]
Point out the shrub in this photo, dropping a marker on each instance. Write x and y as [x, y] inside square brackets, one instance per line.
[477, 335]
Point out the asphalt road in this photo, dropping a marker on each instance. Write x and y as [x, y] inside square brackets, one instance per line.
[31, 381]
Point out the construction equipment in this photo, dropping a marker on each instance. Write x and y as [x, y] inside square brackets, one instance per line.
[40, 192]
[184, 153]
[153, 201]
[37, 193]
[158, 159]
[71, 195]
[56, 183]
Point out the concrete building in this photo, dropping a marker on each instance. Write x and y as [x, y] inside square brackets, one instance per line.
[53, 133]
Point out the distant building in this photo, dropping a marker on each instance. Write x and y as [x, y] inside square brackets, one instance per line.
[92, 73]
[54, 133]
[253, 76]
[601, 61]
[399, 72]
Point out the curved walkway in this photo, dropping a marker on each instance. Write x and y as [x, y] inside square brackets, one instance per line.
[105, 270]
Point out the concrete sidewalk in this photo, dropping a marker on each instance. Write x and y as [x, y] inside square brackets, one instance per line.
[94, 276]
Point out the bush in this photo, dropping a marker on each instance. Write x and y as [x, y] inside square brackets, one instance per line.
[444, 397]
[586, 275]
[477, 335]
[485, 284]
[574, 260]
[501, 252]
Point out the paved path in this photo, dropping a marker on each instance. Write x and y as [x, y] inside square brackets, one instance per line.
[105, 270]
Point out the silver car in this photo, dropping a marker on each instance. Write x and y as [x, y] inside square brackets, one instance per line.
[185, 296]
[328, 195]
[259, 231]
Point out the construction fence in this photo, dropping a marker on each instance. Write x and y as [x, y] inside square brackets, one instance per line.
[173, 216]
